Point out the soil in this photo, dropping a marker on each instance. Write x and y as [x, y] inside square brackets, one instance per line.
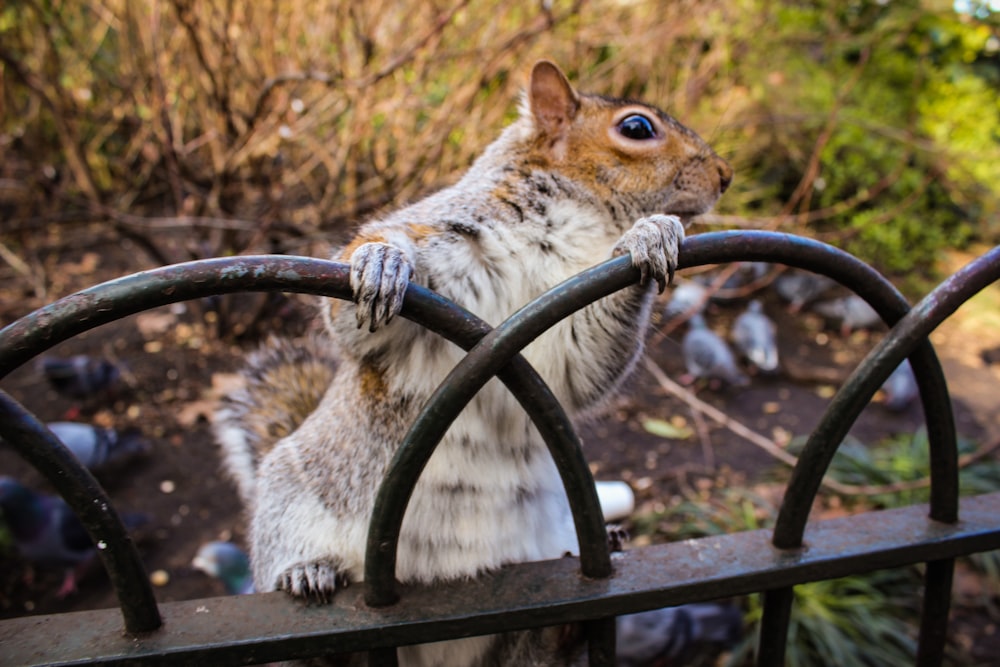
[177, 358]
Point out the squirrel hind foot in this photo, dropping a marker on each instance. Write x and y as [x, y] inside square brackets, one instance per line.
[316, 581]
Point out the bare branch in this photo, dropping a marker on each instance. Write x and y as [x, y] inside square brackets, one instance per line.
[771, 447]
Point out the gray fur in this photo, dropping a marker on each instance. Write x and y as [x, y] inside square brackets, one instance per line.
[540, 205]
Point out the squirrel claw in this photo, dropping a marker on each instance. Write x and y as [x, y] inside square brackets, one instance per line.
[654, 243]
[380, 274]
[316, 581]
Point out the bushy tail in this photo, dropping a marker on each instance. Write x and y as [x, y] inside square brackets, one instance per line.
[284, 381]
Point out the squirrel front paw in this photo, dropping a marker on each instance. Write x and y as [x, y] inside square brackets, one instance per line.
[317, 580]
[653, 242]
[380, 274]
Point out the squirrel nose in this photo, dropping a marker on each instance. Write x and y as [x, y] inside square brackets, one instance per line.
[725, 175]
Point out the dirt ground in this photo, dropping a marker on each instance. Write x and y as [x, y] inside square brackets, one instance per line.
[174, 355]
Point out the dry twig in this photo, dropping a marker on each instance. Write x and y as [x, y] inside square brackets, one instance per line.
[776, 451]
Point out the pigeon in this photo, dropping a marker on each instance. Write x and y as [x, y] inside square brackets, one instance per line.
[707, 356]
[852, 312]
[101, 449]
[740, 282]
[228, 563]
[81, 377]
[800, 288]
[667, 636]
[753, 334]
[47, 532]
[900, 388]
[688, 296]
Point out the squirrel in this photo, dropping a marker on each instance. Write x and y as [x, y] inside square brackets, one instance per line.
[576, 179]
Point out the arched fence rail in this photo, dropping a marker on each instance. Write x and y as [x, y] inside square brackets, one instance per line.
[380, 614]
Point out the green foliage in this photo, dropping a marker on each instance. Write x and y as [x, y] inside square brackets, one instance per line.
[884, 135]
[858, 621]
[904, 458]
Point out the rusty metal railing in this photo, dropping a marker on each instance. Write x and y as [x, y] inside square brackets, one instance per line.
[268, 627]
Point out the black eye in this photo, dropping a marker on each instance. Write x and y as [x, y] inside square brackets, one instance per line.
[636, 127]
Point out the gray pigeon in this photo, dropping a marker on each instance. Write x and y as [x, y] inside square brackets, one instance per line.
[101, 449]
[740, 282]
[81, 377]
[900, 388]
[667, 636]
[800, 288]
[228, 563]
[707, 356]
[47, 532]
[753, 334]
[689, 295]
[851, 312]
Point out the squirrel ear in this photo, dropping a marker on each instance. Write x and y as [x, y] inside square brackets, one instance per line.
[551, 99]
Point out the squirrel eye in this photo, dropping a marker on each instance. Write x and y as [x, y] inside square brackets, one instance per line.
[636, 127]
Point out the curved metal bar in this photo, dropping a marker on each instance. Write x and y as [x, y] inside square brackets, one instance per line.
[912, 330]
[49, 326]
[483, 361]
[891, 306]
[42, 329]
[551, 421]
[507, 339]
[49, 456]
[38, 331]
[869, 375]
[103, 303]
[870, 285]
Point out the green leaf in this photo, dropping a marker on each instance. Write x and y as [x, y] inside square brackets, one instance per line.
[665, 429]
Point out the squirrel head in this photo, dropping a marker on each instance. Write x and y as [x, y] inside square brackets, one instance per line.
[621, 149]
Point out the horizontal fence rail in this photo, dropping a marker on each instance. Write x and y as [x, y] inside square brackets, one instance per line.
[266, 627]
[379, 613]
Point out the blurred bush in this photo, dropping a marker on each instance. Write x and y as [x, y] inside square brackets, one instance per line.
[197, 128]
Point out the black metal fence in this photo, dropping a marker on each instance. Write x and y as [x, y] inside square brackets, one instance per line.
[380, 614]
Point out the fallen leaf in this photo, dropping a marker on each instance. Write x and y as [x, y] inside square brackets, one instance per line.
[665, 429]
[825, 391]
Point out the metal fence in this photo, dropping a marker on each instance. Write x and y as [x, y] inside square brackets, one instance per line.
[380, 614]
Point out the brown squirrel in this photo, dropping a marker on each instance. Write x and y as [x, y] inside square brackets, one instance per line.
[575, 179]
